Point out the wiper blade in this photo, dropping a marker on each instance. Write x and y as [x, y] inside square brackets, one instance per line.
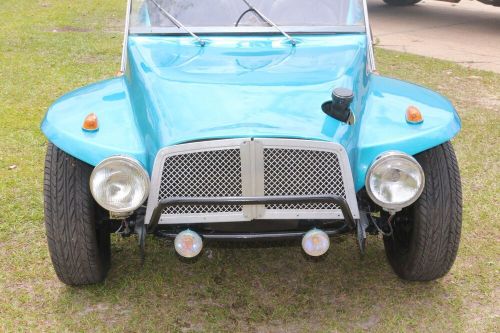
[292, 41]
[178, 24]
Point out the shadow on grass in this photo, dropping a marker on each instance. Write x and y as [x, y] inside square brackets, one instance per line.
[256, 286]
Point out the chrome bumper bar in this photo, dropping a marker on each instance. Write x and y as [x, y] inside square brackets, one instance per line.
[234, 201]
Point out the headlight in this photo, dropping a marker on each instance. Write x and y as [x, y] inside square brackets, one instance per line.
[119, 184]
[395, 180]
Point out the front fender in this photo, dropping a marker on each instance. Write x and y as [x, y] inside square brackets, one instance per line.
[118, 133]
[383, 126]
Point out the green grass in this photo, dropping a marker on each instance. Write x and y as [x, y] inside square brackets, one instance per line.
[49, 47]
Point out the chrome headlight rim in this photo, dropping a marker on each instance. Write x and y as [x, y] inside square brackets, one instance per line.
[394, 154]
[132, 162]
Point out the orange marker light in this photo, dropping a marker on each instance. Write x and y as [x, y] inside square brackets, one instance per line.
[413, 115]
[90, 123]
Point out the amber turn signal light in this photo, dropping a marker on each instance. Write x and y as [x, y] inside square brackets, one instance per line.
[413, 115]
[90, 123]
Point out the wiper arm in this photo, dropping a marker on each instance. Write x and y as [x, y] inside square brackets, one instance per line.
[292, 41]
[178, 24]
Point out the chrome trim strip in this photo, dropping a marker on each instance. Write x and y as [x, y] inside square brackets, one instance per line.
[252, 172]
[369, 37]
[252, 164]
[123, 66]
[249, 30]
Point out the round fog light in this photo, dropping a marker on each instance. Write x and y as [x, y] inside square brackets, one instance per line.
[315, 243]
[188, 244]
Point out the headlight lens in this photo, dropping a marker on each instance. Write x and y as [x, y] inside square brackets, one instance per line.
[119, 184]
[395, 180]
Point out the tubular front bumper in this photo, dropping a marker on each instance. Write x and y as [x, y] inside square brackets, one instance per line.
[349, 222]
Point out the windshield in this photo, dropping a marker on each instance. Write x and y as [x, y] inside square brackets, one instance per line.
[234, 14]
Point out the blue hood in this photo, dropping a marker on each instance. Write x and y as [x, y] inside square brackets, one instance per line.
[240, 86]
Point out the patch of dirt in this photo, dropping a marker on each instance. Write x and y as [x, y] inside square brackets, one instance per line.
[370, 322]
[472, 89]
[109, 313]
[482, 310]
[491, 102]
[99, 307]
[277, 326]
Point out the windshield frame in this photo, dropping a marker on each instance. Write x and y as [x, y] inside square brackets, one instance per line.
[242, 30]
[249, 30]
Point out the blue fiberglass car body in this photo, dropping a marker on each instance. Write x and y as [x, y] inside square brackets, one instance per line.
[215, 76]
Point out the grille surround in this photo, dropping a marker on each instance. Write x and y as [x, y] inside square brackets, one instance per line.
[267, 167]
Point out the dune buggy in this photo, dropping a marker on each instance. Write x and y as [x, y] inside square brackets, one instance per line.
[251, 120]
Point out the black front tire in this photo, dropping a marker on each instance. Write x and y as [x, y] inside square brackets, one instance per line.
[401, 2]
[427, 234]
[79, 245]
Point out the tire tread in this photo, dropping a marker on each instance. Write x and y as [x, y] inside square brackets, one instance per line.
[437, 219]
[70, 220]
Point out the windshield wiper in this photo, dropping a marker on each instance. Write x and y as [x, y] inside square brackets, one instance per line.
[252, 8]
[178, 24]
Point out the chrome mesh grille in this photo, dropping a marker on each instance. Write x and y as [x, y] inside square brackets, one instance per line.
[251, 167]
[302, 172]
[212, 173]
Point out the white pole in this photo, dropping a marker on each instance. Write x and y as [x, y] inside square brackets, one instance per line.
[125, 38]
